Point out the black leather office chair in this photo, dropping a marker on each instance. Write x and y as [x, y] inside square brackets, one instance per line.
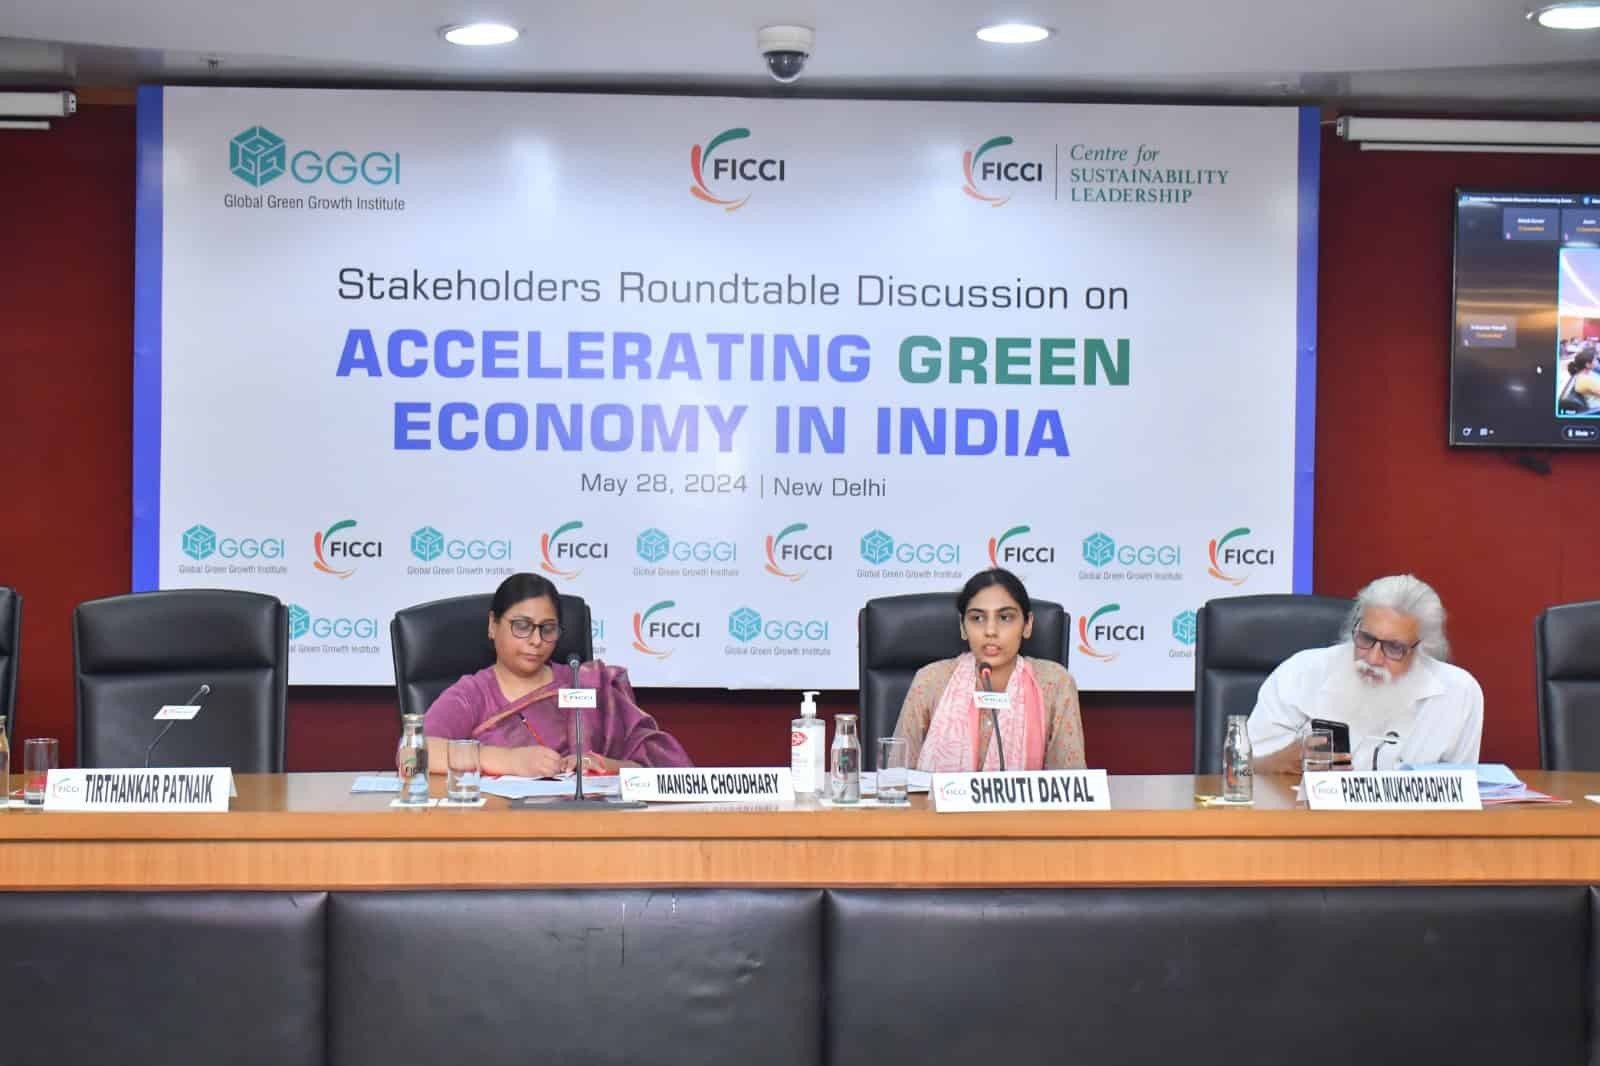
[899, 635]
[1566, 649]
[10, 649]
[1239, 641]
[137, 652]
[436, 643]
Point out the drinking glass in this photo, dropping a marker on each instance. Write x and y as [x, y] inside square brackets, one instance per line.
[462, 771]
[1316, 751]
[40, 755]
[892, 772]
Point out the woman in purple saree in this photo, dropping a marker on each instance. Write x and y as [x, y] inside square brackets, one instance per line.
[510, 707]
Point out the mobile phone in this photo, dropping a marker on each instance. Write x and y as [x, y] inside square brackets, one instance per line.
[1340, 731]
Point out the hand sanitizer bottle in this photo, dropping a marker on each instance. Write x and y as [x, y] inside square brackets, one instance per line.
[808, 736]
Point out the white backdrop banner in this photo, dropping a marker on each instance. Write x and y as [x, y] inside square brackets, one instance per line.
[725, 368]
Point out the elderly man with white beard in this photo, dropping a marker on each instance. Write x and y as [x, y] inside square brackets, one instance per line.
[1388, 680]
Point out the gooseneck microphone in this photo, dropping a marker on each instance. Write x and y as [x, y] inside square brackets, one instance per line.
[994, 718]
[574, 663]
[199, 694]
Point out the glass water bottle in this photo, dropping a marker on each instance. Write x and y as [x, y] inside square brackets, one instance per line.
[1238, 771]
[844, 778]
[411, 760]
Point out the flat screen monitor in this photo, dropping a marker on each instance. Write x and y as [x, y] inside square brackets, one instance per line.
[1525, 337]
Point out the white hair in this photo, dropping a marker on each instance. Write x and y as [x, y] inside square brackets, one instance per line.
[1412, 597]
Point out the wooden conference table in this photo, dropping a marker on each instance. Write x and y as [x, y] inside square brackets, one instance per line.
[307, 831]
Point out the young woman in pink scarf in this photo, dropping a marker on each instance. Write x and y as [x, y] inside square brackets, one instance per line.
[940, 720]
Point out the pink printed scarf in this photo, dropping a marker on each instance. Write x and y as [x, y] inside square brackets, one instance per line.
[951, 745]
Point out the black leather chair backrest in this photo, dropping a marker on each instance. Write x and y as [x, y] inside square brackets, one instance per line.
[134, 653]
[1239, 641]
[10, 649]
[436, 643]
[1566, 648]
[899, 635]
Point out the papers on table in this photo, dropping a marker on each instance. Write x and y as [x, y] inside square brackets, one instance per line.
[376, 783]
[916, 781]
[519, 787]
[1497, 785]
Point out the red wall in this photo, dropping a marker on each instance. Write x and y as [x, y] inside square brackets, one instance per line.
[1497, 541]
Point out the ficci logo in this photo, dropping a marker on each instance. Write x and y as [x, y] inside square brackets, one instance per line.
[792, 551]
[331, 548]
[257, 155]
[1225, 558]
[1091, 631]
[1002, 554]
[976, 169]
[729, 168]
[649, 631]
[552, 548]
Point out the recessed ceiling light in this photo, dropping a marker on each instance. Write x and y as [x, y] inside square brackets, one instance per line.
[477, 34]
[1012, 33]
[1582, 15]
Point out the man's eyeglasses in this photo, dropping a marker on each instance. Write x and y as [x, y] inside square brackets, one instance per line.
[523, 628]
[1393, 650]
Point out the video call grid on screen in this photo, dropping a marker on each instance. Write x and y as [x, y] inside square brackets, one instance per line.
[1525, 333]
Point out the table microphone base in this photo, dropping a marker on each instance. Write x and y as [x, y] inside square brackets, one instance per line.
[570, 803]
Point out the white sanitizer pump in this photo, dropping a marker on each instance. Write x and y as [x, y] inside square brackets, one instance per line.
[808, 749]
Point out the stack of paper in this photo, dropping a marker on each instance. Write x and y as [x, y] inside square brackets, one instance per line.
[1497, 785]
[916, 781]
[518, 787]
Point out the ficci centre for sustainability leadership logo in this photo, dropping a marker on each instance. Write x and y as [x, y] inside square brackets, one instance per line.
[728, 168]
[652, 628]
[257, 156]
[331, 548]
[1228, 557]
[994, 173]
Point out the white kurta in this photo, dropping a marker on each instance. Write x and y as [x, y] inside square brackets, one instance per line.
[1443, 724]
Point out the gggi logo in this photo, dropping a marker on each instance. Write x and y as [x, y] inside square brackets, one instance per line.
[303, 623]
[655, 546]
[746, 624]
[429, 544]
[257, 156]
[200, 542]
[878, 547]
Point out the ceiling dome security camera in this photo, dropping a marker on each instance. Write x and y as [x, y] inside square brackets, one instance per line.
[785, 50]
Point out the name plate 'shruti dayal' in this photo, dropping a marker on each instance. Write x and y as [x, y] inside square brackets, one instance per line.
[1022, 790]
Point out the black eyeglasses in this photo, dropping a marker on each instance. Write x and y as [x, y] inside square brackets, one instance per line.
[523, 628]
[1393, 650]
